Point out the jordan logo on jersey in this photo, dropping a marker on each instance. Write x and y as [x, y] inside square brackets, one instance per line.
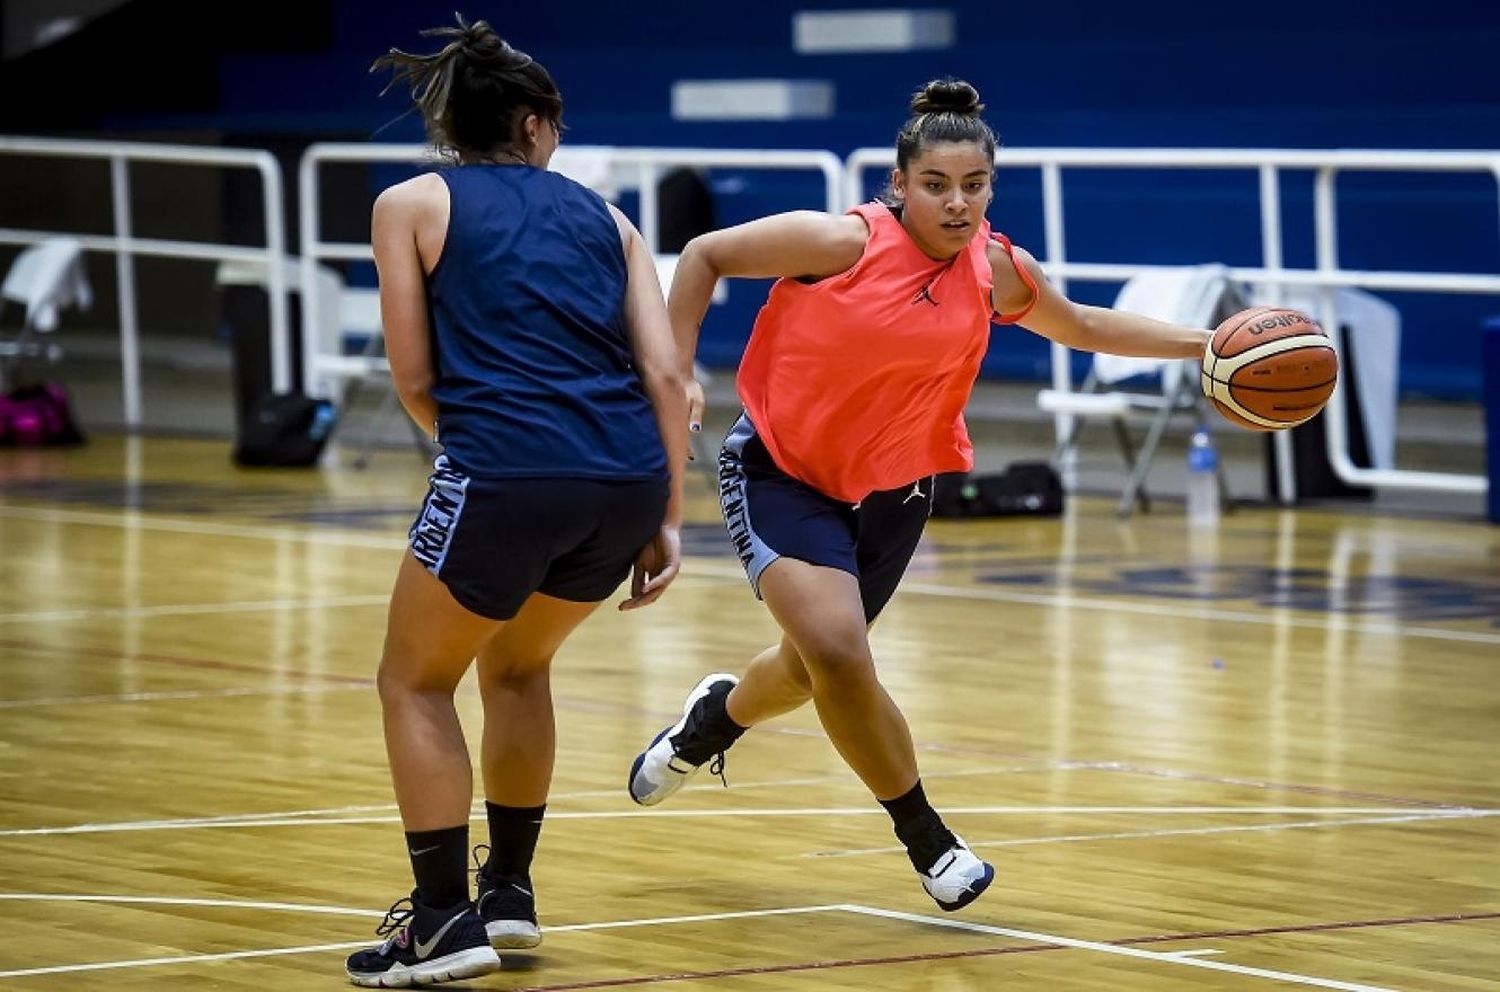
[925, 293]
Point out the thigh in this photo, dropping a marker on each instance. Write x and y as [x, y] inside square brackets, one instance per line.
[528, 642]
[890, 526]
[430, 637]
[819, 610]
[771, 516]
[615, 520]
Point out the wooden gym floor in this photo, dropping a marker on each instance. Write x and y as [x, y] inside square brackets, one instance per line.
[1259, 758]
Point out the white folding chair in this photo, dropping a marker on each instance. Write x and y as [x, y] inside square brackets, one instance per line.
[45, 279]
[1199, 296]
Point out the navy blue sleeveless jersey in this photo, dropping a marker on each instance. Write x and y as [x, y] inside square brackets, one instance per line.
[532, 363]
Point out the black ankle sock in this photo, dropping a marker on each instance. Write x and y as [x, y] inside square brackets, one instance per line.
[716, 719]
[919, 827]
[440, 864]
[708, 730]
[513, 834]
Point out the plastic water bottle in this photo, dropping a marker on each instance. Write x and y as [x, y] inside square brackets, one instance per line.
[1202, 479]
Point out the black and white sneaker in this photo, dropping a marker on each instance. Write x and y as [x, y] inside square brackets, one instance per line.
[507, 905]
[677, 753]
[424, 946]
[957, 878]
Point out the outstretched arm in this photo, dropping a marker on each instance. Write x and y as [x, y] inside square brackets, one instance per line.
[801, 243]
[1086, 328]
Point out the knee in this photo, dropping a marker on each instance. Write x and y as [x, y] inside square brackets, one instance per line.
[514, 675]
[837, 662]
[397, 683]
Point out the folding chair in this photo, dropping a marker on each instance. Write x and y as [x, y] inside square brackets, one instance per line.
[45, 279]
[1199, 296]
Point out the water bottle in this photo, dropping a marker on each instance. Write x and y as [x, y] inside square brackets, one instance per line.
[1202, 479]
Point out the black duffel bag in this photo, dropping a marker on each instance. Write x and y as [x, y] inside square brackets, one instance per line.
[1023, 489]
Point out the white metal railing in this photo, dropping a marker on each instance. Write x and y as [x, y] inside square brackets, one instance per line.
[125, 245]
[1328, 275]
[628, 167]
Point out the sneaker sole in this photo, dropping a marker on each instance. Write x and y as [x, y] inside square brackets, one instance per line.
[470, 963]
[699, 691]
[512, 935]
[973, 893]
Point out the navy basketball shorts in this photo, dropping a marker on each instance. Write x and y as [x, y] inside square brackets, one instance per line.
[771, 515]
[494, 542]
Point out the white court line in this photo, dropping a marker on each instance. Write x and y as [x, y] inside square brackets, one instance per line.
[307, 819]
[348, 945]
[290, 907]
[1182, 832]
[147, 697]
[189, 609]
[476, 810]
[1129, 952]
[714, 568]
[1192, 954]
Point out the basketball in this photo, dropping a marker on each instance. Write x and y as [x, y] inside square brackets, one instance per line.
[1268, 368]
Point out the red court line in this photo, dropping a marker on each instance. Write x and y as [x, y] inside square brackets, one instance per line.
[686, 976]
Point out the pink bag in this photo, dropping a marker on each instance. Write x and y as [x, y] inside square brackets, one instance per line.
[32, 416]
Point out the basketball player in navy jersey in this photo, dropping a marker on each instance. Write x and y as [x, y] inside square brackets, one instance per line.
[525, 325]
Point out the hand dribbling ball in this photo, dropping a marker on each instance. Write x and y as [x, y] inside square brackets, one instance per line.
[1269, 368]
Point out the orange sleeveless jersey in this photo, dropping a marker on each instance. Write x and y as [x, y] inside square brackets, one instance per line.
[857, 383]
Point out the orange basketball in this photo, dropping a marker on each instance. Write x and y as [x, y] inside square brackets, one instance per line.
[1268, 368]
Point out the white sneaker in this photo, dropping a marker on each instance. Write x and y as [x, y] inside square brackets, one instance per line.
[957, 878]
[676, 753]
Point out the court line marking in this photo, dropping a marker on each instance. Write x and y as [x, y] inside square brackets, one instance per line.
[711, 568]
[1051, 945]
[1181, 958]
[1131, 952]
[291, 907]
[306, 818]
[314, 948]
[477, 810]
[1181, 832]
[189, 609]
[168, 694]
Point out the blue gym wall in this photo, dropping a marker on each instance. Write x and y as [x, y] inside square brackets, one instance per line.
[1081, 73]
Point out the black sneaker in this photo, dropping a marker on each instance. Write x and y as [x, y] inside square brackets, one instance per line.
[425, 946]
[677, 753]
[507, 905]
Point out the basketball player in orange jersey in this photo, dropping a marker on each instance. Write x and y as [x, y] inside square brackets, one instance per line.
[854, 384]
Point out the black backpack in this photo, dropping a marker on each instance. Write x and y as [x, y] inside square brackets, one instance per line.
[284, 430]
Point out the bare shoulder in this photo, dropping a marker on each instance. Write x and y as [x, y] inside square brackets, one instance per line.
[412, 197]
[837, 232]
[1006, 263]
[1012, 290]
[626, 228]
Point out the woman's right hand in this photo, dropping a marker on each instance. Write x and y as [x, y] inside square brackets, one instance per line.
[655, 568]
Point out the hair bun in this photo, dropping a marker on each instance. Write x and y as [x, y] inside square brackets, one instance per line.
[947, 96]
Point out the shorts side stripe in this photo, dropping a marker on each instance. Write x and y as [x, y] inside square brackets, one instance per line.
[734, 499]
[432, 534]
